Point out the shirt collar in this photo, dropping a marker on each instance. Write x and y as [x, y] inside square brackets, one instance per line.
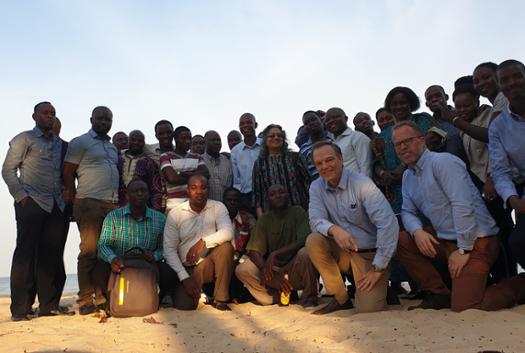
[513, 115]
[256, 144]
[185, 206]
[96, 136]
[421, 162]
[209, 156]
[347, 132]
[147, 215]
[343, 182]
[38, 132]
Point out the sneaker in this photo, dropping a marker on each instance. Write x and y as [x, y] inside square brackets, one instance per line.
[87, 309]
[433, 301]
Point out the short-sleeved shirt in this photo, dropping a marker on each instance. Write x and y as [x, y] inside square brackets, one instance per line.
[97, 172]
[221, 176]
[188, 163]
[478, 151]
[277, 229]
[122, 232]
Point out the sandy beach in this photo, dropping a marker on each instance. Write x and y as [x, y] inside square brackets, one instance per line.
[252, 328]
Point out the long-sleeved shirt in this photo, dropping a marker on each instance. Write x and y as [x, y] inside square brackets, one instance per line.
[243, 157]
[185, 227]
[357, 151]
[122, 232]
[359, 207]
[97, 172]
[33, 168]
[507, 151]
[440, 187]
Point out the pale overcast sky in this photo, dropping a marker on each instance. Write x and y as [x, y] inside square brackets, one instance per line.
[203, 63]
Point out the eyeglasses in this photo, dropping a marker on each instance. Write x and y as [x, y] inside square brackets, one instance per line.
[406, 142]
[273, 136]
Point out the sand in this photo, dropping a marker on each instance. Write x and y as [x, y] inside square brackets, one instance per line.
[253, 328]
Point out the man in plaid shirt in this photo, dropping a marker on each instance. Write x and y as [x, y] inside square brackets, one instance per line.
[134, 225]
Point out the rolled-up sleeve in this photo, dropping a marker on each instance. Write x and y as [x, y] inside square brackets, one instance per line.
[13, 160]
[317, 211]
[106, 239]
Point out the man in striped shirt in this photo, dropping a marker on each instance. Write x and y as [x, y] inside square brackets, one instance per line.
[134, 225]
[178, 165]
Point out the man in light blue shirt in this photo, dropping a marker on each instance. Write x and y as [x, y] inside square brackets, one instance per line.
[507, 150]
[91, 159]
[354, 228]
[32, 172]
[243, 156]
[438, 185]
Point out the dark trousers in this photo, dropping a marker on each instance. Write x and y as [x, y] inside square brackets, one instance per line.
[38, 265]
[517, 240]
[505, 265]
[102, 270]
[247, 203]
[89, 215]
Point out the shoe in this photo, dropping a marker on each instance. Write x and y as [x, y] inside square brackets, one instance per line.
[87, 309]
[221, 306]
[433, 301]
[60, 311]
[21, 317]
[309, 302]
[334, 306]
[414, 295]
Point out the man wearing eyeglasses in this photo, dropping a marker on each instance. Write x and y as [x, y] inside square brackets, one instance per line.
[438, 186]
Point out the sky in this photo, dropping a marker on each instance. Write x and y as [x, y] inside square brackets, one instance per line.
[204, 63]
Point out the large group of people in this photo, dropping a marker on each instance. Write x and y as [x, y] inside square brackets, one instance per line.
[426, 200]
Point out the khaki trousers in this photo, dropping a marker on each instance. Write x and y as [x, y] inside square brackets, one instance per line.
[301, 274]
[330, 260]
[89, 215]
[216, 268]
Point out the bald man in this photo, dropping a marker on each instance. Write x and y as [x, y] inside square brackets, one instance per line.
[357, 153]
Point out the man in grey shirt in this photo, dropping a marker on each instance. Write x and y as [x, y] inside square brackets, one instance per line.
[354, 229]
[220, 167]
[32, 172]
[92, 159]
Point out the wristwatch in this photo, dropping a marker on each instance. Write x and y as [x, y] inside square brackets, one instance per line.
[377, 269]
[463, 251]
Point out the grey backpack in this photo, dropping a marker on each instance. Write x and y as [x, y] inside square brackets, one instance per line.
[134, 291]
